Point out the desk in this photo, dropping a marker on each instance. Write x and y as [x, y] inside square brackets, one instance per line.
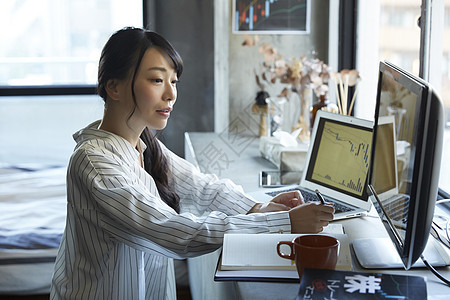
[238, 158]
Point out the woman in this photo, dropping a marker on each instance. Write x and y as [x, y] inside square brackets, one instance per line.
[133, 205]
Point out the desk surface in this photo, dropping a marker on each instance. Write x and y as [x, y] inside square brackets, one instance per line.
[238, 158]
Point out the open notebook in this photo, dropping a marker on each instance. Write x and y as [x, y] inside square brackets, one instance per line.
[253, 257]
[337, 164]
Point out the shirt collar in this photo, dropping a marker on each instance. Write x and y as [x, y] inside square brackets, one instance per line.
[118, 143]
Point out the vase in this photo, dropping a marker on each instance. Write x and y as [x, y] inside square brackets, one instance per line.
[261, 107]
[291, 112]
[303, 122]
[321, 104]
[264, 118]
[277, 113]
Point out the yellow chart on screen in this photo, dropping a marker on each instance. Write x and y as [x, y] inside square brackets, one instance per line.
[343, 157]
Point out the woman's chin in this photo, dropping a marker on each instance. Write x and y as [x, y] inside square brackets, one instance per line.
[159, 126]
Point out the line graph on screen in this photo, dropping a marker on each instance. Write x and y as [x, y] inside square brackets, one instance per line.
[351, 148]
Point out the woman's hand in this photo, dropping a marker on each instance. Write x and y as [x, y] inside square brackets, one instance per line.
[290, 199]
[281, 202]
[310, 217]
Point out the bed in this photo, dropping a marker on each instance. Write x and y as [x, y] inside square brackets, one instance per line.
[32, 218]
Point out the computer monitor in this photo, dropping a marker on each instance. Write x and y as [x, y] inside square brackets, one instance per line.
[404, 169]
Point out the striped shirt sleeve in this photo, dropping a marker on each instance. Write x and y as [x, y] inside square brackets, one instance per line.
[130, 209]
[202, 193]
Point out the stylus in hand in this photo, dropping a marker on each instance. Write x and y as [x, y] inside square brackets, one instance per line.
[319, 195]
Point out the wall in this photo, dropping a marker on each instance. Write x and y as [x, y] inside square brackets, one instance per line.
[243, 60]
[201, 31]
[189, 26]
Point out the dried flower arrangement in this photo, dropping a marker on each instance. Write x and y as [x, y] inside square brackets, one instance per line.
[298, 73]
[301, 75]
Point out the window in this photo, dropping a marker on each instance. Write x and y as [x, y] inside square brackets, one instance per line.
[38, 129]
[58, 42]
[52, 47]
[395, 24]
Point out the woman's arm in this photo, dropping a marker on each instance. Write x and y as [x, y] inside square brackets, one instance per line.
[202, 193]
[133, 213]
[208, 193]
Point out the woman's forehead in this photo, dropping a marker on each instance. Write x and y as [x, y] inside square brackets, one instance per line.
[156, 58]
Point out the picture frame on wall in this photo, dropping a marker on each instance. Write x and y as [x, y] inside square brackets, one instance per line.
[271, 16]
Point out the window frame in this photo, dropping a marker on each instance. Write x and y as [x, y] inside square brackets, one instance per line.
[432, 17]
[48, 90]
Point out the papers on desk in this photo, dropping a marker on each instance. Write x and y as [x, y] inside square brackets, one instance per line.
[254, 257]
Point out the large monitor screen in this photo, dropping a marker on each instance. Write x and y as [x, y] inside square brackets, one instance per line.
[398, 99]
[406, 151]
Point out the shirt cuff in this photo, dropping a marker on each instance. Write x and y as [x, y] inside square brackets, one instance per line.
[246, 204]
[279, 222]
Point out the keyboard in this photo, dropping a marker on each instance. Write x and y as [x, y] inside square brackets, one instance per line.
[397, 207]
[310, 196]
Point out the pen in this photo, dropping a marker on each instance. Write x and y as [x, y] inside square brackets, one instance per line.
[319, 195]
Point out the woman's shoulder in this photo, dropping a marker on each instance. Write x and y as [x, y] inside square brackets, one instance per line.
[101, 151]
[105, 143]
[91, 152]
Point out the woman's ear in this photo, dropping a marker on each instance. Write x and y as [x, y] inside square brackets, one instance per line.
[112, 89]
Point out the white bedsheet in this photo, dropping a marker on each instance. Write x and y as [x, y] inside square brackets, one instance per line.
[33, 200]
[30, 202]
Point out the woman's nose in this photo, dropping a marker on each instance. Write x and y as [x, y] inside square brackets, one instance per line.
[170, 92]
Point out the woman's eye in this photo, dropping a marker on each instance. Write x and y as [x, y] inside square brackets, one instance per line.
[155, 80]
[160, 80]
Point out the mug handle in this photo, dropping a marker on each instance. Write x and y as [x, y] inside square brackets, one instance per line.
[284, 255]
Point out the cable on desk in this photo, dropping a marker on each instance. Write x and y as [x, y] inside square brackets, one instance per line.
[442, 194]
[442, 201]
[445, 229]
[441, 239]
[435, 233]
[447, 226]
[434, 271]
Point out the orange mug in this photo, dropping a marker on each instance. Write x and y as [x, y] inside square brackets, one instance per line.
[312, 251]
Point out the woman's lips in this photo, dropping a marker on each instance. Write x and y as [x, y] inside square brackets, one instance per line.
[164, 112]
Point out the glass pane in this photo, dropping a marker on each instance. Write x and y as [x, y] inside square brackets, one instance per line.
[58, 42]
[398, 18]
[394, 22]
[444, 180]
[39, 129]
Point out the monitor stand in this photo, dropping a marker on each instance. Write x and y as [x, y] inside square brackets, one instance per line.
[380, 253]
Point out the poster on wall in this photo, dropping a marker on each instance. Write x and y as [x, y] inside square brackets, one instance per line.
[271, 16]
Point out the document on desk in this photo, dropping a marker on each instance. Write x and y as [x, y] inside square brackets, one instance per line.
[254, 256]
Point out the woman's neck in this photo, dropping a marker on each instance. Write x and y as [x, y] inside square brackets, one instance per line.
[121, 128]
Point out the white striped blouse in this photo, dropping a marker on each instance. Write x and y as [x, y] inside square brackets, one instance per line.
[120, 237]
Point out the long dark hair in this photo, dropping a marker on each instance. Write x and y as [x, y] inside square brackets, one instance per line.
[121, 57]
